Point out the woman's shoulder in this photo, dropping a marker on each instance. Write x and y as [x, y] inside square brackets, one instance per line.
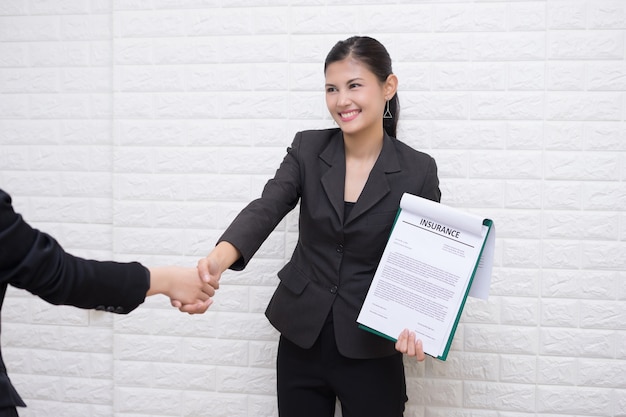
[319, 134]
[315, 139]
[408, 152]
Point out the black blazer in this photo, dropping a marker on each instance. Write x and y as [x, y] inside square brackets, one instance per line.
[34, 261]
[335, 258]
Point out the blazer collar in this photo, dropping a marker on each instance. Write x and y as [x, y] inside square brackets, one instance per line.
[377, 185]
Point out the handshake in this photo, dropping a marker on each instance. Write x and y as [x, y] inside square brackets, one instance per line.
[189, 289]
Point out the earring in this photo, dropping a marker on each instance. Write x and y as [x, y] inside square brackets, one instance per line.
[387, 114]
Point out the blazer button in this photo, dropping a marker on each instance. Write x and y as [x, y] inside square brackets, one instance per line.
[119, 310]
[333, 289]
[110, 309]
[339, 248]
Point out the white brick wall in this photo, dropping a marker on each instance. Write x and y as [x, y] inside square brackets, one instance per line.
[136, 130]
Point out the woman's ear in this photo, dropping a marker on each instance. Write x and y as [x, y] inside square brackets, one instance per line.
[391, 86]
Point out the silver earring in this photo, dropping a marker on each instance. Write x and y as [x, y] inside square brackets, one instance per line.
[387, 114]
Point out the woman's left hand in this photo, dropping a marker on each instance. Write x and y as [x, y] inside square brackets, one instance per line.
[408, 345]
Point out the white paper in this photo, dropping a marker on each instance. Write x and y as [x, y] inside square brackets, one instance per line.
[424, 271]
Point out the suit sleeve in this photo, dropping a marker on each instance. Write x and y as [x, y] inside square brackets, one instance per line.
[258, 219]
[430, 188]
[34, 261]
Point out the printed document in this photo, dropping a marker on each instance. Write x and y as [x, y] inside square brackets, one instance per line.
[435, 257]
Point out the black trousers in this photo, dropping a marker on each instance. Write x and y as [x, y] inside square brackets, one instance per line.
[309, 381]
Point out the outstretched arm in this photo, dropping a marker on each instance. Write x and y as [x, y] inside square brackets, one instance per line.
[34, 261]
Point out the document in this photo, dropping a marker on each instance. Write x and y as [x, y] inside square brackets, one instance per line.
[435, 257]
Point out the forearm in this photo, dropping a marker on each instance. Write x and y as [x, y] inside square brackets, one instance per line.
[160, 282]
[224, 255]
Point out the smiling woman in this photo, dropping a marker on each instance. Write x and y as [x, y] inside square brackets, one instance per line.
[369, 62]
[343, 178]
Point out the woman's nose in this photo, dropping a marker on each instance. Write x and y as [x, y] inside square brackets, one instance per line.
[343, 98]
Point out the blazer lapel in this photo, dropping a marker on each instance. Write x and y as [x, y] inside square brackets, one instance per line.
[377, 186]
[333, 180]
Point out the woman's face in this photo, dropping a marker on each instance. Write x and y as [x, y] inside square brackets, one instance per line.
[356, 99]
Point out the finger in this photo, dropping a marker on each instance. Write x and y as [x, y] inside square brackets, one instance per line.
[420, 356]
[196, 308]
[202, 297]
[208, 290]
[214, 272]
[203, 270]
[202, 307]
[402, 342]
[411, 344]
[189, 308]
[176, 303]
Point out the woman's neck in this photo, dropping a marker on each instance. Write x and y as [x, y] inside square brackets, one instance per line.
[361, 156]
[364, 146]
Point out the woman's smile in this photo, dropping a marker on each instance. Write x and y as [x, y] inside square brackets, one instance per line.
[349, 115]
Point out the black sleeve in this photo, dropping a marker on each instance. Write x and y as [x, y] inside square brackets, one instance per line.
[34, 261]
[259, 218]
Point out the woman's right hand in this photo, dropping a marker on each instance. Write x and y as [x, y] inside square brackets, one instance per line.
[211, 267]
[209, 270]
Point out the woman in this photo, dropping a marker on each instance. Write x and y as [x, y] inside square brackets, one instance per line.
[349, 182]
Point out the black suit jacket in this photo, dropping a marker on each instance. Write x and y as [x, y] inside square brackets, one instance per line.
[335, 258]
[34, 261]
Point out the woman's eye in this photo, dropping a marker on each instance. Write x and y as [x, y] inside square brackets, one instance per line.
[354, 85]
[330, 89]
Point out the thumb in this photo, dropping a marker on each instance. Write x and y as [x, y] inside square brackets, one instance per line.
[214, 273]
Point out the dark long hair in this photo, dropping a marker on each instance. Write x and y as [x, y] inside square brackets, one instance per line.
[372, 54]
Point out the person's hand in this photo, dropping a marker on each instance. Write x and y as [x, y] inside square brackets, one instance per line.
[408, 345]
[186, 291]
[198, 307]
[209, 270]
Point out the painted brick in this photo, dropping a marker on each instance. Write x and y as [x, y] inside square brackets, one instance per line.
[564, 399]
[470, 365]
[499, 396]
[580, 284]
[607, 14]
[468, 18]
[566, 76]
[428, 47]
[246, 380]
[574, 342]
[263, 354]
[464, 135]
[216, 21]
[383, 18]
[585, 45]
[515, 339]
[566, 14]
[29, 28]
[306, 20]
[560, 313]
[557, 371]
[219, 404]
[13, 7]
[527, 46]
[527, 16]
[520, 311]
[518, 369]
